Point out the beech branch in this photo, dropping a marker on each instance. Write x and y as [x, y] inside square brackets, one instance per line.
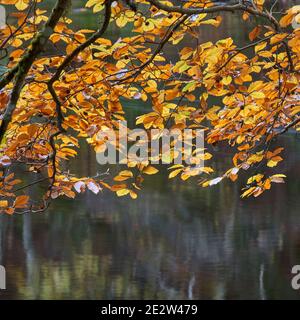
[217, 8]
[85, 44]
[69, 58]
[250, 8]
[20, 71]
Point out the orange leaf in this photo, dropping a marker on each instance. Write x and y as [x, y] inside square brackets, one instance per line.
[254, 33]
[21, 201]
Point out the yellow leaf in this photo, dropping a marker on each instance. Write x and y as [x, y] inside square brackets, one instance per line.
[248, 192]
[256, 178]
[132, 194]
[227, 80]
[257, 94]
[98, 8]
[122, 192]
[265, 54]
[91, 3]
[152, 84]
[214, 22]
[150, 170]
[22, 4]
[278, 38]
[123, 175]
[260, 46]
[121, 21]
[176, 166]
[70, 48]
[189, 87]
[3, 203]
[286, 20]
[279, 175]
[273, 162]
[148, 25]
[174, 173]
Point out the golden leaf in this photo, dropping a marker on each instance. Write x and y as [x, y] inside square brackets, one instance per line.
[150, 170]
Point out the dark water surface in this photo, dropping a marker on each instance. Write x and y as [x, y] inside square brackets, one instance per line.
[176, 241]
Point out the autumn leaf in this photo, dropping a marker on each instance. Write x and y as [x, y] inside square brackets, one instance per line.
[174, 173]
[22, 4]
[150, 170]
[123, 175]
[3, 203]
[255, 33]
[21, 201]
[122, 192]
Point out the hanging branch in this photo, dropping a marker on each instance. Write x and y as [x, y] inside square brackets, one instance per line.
[22, 68]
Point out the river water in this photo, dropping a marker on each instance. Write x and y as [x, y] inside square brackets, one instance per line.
[176, 241]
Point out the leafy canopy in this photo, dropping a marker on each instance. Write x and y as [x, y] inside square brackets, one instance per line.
[60, 85]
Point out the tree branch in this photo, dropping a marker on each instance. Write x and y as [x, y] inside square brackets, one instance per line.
[290, 125]
[68, 59]
[22, 68]
[85, 44]
[218, 8]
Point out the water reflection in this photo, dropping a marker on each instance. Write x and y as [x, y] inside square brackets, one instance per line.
[176, 241]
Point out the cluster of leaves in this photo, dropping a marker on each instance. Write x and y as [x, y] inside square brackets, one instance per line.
[59, 85]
